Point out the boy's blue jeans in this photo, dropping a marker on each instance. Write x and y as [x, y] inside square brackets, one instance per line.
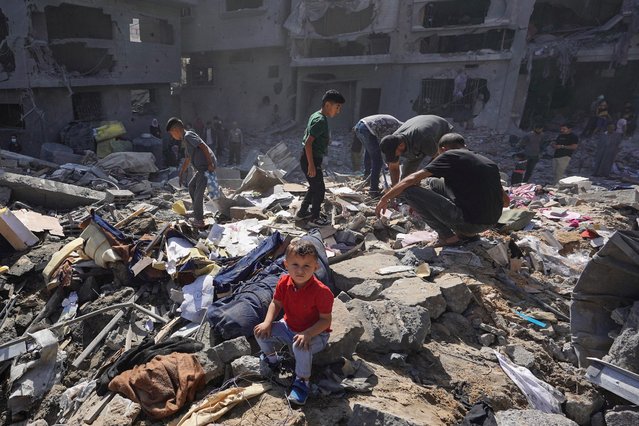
[371, 145]
[282, 335]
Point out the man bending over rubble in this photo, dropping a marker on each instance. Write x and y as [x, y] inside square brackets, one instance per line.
[463, 194]
[414, 140]
[200, 155]
[307, 305]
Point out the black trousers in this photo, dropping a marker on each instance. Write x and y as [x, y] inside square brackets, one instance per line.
[316, 189]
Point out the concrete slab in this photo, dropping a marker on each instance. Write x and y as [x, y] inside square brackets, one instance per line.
[354, 271]
[48, 193]
[417, 292]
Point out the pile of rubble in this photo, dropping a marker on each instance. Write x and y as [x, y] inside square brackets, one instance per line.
[113, 310]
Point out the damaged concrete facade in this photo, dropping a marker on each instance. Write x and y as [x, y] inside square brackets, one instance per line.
[87, 61]
[491, 60]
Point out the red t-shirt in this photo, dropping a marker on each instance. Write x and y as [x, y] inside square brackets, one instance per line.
[303, 307]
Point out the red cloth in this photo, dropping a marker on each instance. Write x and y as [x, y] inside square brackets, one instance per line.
[302, 307]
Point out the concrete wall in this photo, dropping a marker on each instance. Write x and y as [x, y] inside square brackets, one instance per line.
[91, 50]
[212, 28]
[243, 91]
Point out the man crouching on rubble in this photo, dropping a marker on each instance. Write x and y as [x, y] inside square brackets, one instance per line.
[200, 155]
[307, 305]
[463, 194]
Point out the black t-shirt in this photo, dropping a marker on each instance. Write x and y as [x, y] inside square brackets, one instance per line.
[474, 181]
[563, 140]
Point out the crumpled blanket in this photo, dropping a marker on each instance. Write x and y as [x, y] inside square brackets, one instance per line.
[215, 406]
[143, 353]
[163, 385]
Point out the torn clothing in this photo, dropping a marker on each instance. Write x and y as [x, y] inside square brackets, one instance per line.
[215, 406]
[143, 353]
[163, 385]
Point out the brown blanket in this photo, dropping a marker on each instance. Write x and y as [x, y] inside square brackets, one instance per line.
[163, 385]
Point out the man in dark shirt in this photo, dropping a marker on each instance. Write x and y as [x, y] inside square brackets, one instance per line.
[564, 146]
[414, 140]
[201, 157]
[463, 195]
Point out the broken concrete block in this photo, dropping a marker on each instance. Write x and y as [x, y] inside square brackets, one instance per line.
[577, 184]
[368, 415]
[458, 326]
[246, 365]
[119, 411]
[48, 193]
[233, 349]
[520, 356]
[455, 291]
[623, 351]
[417, 292]
[389, 326]
[21, 267]
[487, 339]
[15, 232]
[531, 417]
[211, 363]
[240, 213]
[356, 270]
[368, 290]
[580, 408]
[622, 415]
[347, 330]
[5, 195]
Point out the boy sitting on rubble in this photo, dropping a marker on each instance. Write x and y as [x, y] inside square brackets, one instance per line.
[307, 305]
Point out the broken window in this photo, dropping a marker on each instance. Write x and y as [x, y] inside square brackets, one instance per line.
[77, 57]
[497, 40]
[233, 5]
[11, 116]
[438, 96]
[72, 21]
[7, 59]
[454, 12]
[339, 20]
[202, 76]
[142, 101]
[150, 30]
[87, 106]
[273, 71]
[548, 17]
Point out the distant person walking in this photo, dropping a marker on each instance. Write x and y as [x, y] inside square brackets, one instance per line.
[235, 141]
[564, 146]
[531, 144]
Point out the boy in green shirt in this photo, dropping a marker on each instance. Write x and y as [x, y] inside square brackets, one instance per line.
[315, 143]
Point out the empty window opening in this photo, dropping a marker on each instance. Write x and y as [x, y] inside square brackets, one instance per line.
[150, 30]
[234, 5]
[241, 56]
[202, 76]
[142, 101]
[454, 12]
[338, 20]
[185, 12]
[549, 17]
[438, 97]
[273, 71]
[72, 21]
[497, 40]
[7, 59]
[77, 57]
[87, 106]
[11, 116]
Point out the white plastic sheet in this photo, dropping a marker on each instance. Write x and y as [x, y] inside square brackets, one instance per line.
[198, 296]
[540, 395]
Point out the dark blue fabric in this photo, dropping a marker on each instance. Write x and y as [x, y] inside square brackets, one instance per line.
[117, 234]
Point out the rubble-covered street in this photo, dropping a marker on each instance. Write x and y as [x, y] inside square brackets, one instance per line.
[420, 335]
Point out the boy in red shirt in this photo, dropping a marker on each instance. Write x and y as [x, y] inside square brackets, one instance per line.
[307, 305]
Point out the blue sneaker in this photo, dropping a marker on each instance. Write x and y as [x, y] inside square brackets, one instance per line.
[299, 392]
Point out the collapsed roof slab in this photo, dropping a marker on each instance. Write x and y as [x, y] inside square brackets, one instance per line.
[48, 193]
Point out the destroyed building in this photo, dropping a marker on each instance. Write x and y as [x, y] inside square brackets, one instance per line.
[85, 61]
